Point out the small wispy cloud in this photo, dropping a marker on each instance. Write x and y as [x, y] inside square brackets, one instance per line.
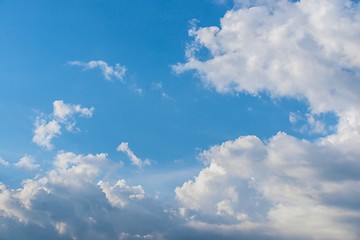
[309, 123]
[159, 87]
[3, 162]
[124, 147]
[109, 72]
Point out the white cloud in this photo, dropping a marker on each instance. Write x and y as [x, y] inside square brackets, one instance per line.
[310, 123]
[283, 187]
[279, 188]
[75, 170]
[27, 162]
[294, 118]
[315, 125]
[120, 194]
[124, 147]
[45, 131]
[159, 86]
[63, 111]
[138, 90]
[109, 72]
[287, 187]
[63, 114]
[127, 236]
[76, 200]
[303, 50]
[3, 162]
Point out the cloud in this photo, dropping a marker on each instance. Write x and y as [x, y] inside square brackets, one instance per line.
[63, 111]
[159, 86]
[63, 114]
[109, 72]
[304, 50]
[283, 187]
[119, 194]
[124, 147]
[45, 131]
[27, 162]
[279, 188]
[80, 197]
[310, 123]
[3, 162]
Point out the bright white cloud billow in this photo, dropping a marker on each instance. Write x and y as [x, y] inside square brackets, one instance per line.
[305, 50]
[45, 131]
[283, 187]
[63, 114]
[109, 72]
[287, 187]
[120, 193]
[63, 111]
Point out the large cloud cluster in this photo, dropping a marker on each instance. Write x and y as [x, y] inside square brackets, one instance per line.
[305, 49]
[79, 199]
[279, 188]
[285, 187]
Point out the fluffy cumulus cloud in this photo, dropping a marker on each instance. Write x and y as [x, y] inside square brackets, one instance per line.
[109, 72]
[283, 187]
[63, 111]
[78, 198]
[46, 128]
[305, 49]
[45, 131]
[27, 162]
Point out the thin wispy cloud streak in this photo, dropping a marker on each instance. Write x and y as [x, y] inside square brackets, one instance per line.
[109, 72]
[124, 147]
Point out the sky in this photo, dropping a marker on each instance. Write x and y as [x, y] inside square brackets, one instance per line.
[206, 119]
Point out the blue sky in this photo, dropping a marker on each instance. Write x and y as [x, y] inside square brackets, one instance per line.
[41, 38]
[217, 115]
